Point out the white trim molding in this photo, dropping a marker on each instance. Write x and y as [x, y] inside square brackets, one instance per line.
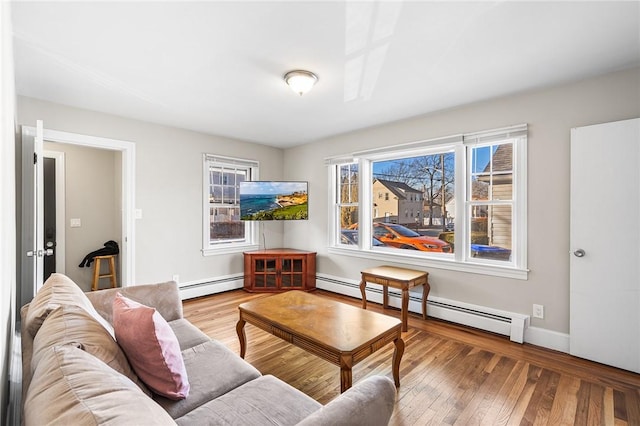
[547, 338]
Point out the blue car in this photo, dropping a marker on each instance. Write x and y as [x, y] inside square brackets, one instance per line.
[490, 252]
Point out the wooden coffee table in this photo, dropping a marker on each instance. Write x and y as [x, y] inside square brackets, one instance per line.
[339, 333]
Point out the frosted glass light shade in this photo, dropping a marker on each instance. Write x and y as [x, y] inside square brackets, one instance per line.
[300, 81]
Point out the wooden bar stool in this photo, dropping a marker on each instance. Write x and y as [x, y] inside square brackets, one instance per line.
[112, 271]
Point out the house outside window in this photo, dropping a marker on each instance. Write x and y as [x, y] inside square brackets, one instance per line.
[468, 192]
[223, 231]
[346, 201]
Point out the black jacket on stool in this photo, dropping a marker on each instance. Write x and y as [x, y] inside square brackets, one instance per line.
[110, 247]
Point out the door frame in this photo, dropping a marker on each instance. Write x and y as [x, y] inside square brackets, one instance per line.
[128, 150]
[60, 208]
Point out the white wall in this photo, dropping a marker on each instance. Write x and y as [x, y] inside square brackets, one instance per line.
[7, 210]
[92, 194]
[168, 187]
[550, 114]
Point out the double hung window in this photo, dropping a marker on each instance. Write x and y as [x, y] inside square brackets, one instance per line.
[222, 228]
[455, 201]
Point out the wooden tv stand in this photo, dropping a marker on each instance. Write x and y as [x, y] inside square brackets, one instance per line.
[277, 270]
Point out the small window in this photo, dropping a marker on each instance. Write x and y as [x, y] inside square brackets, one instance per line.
[346, 203]
[223, 229]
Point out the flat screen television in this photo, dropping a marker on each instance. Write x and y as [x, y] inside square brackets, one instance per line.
[273, 200]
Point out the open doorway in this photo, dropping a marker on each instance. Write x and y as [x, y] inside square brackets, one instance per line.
[121, 200]
[85, 196]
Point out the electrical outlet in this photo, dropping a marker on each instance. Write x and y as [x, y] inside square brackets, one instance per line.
[538, 311]
[176, 278]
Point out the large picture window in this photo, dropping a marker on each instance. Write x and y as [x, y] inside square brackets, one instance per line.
[457, 201]
[223, 229]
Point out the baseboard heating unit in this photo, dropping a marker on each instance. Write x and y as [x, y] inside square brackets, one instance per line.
[496, 321]
[191, 289]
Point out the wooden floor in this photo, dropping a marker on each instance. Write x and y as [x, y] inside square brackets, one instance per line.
[449, 374]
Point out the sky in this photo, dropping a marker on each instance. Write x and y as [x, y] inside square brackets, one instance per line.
[272, 187]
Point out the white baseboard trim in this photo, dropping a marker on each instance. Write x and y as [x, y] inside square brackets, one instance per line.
[547, 338]
[204, 287]
[496, 321]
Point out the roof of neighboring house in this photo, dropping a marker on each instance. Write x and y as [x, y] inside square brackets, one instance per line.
[502, 162]
[502, 158]
[399, 189]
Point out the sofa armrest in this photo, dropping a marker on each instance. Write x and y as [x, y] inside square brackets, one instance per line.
[368, 403]
[165, 297]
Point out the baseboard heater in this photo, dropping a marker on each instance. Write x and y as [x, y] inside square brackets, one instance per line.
[496, 321]
[192, 289]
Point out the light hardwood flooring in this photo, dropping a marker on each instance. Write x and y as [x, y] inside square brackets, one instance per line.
[449, 374]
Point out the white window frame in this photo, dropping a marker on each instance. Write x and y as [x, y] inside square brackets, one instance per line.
[460, 260]
[251, 230]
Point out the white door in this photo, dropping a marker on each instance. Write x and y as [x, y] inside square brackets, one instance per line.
[604, 242]
[33, 251]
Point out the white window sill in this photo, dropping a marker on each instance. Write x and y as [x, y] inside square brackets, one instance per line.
[448, 263]
[229, 249]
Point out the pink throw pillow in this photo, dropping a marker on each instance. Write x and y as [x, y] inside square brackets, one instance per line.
[151, 347]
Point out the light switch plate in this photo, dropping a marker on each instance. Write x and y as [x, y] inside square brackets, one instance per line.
[75, 223]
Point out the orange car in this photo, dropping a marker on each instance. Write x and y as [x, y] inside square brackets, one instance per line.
[398, 236]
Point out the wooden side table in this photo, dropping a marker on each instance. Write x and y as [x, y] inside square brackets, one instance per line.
[400, 278]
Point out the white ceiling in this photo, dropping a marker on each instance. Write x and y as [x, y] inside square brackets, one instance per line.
[217, 67]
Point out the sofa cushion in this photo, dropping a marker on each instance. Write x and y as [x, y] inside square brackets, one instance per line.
[188, 335]
[213, 371]
[151, 346]
[264, 401]
[73, 387]
[369, 403]
[73, 325]
[164, 297]
[57, 291]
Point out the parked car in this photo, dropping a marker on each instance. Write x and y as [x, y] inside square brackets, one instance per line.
[350, 236]
[398, 236]
[490, 252]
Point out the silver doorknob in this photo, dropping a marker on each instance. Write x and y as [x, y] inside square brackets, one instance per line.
[579, 253]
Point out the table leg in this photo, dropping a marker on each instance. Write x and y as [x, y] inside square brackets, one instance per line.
[241, 336]
[405, 308]
[426, 288]
[346, 364]
[385, 297]
[363, 288]
[397, 356]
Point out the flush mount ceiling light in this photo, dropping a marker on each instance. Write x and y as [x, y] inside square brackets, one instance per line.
[300, 81]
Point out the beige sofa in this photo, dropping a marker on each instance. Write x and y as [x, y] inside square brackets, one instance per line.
[74, 372]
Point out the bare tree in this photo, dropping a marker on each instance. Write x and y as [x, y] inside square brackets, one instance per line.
[433, 174]
[348, 194]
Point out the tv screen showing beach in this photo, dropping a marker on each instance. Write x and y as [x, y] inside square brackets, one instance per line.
[270, 200]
